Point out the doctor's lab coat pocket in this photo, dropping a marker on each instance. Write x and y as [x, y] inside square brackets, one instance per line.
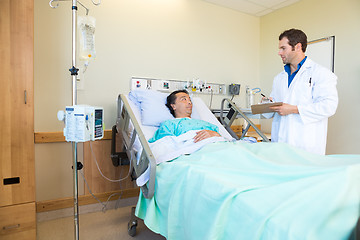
[304, 91]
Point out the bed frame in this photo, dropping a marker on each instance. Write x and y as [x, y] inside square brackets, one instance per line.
[125, 115]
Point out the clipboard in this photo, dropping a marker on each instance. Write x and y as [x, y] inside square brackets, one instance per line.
[264, 107]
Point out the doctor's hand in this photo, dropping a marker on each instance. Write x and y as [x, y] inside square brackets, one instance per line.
[203, 134]
[285, 109]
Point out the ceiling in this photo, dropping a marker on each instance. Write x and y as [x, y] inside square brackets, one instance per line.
[254, 7]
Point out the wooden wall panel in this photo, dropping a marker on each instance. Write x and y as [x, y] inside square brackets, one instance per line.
[53, 137]
[101, 150]
[16, 94]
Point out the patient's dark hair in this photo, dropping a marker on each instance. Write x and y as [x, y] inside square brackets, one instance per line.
[171, 100]
[295, 36]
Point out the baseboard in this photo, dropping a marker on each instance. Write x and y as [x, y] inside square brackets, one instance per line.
[56, 204]
[90, 208]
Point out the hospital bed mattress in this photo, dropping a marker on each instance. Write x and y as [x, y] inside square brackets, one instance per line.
[237, 190]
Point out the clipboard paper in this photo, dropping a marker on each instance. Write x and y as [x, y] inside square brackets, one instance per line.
[264, 107]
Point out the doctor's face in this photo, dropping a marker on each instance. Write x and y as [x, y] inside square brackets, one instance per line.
[182, 106]
[286, 52]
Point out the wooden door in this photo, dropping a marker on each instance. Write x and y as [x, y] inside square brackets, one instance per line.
[17, 168]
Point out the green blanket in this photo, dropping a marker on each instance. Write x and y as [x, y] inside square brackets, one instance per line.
[237, 190]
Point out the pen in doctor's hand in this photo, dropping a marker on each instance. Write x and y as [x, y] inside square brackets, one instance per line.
[265, 98]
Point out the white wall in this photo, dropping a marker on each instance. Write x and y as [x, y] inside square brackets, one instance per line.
[180, 39]
[177, 39]
[322, 18]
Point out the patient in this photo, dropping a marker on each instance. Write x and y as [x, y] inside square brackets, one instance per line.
[180, 106]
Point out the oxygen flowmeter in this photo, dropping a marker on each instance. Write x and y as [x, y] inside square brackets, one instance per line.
[82, 123]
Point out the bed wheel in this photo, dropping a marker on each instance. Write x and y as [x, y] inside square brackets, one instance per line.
[132, 228]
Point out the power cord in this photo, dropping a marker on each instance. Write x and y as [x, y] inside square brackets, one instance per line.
[104, 208]
[110, 180]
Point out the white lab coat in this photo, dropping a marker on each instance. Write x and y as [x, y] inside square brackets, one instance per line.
[316, 99]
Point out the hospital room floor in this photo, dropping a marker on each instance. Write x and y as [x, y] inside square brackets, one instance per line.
[111, 225]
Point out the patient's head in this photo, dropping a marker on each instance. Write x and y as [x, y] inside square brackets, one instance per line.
[179, 104]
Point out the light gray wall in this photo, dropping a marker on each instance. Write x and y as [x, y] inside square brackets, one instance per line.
[177, 39]
[180, 39]
[322, 18]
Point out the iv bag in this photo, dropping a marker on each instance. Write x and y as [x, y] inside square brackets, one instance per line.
[86, 30]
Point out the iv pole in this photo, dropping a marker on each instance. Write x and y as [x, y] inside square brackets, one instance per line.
[74, 72]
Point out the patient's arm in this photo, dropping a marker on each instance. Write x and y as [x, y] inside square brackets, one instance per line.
[203, 134]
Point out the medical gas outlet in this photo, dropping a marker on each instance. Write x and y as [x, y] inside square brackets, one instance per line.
[82, 123]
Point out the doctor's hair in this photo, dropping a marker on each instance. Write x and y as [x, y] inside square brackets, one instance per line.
[295, 36]
[172, 98]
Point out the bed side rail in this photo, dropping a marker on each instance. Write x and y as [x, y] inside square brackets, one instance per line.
[232, 115]
[124, 116]
[117, 158]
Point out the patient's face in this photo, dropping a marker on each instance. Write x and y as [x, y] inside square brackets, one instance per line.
[182, 106]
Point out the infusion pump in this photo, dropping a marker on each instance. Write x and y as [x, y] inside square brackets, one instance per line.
[82, 123]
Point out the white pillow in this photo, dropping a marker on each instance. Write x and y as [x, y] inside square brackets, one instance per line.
[152, 106]
[148, 131]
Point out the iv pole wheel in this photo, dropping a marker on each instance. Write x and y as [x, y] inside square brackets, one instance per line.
[132, 228]
[132, 224]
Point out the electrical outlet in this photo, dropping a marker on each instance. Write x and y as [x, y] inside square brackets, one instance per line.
[215, 89]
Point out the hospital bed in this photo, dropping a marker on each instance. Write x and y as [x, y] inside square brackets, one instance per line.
[235, 189]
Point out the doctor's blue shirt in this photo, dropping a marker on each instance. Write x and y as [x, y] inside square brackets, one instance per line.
[288, 70]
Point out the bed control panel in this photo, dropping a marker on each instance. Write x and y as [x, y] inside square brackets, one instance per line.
[230, 116]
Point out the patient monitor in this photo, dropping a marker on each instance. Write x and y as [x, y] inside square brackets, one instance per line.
[82, 123]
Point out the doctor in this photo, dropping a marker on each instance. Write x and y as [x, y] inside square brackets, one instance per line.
[308, 92]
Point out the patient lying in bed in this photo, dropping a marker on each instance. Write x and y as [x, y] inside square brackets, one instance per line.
[182, 135]
[180, 106]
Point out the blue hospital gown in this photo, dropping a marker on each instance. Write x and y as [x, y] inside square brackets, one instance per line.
[178, 126]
